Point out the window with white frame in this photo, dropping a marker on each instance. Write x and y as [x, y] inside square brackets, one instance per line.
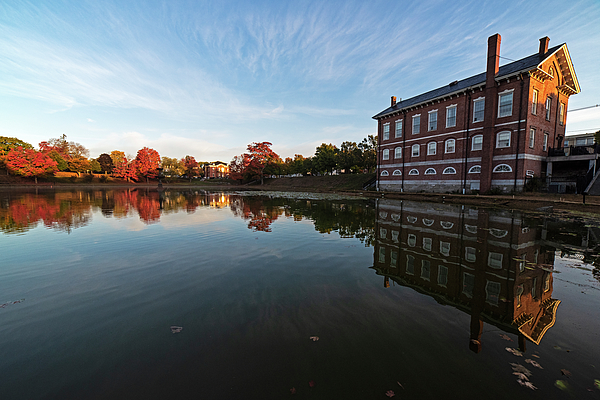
[430, 171]
[386, 131]
[384, 173]
[410, 265]
[425, 269]
[413, 171]
[442, 278]
[475, 169]
[412, 219]
[450, 145]
[503, 139]
[531, 138]
[534, 101]
[445, 248]
[495, 260]
[499, 233]
[428, 221]
[382, 254]
[382, 233]
[561, 115]
[386, 154]
[398, 152]
[545, 143]
[394, 258]
[446, 224]
[548, 107]
[502, 168]
[450, 116]
[470, 254]
[395, 236]
[416, 124]
[427, 244]
[468, 284]
[431, 148]
[449, 171]
[412, 240]
[415, 150]
[492, 292]
[397, 172]
[432, 123]
[398, 132]
[505, 104]
[478, 109]
[477, 142]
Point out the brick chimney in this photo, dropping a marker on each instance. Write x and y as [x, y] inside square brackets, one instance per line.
[493, 59]
[544, 45]
[393, 101]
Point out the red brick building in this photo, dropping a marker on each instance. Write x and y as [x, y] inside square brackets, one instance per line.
[217, 169]
[491, 130]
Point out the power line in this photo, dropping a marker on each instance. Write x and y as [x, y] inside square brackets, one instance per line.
[586, 130]
[584, 108]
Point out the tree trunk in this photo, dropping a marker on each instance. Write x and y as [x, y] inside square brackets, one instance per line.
[35, 177]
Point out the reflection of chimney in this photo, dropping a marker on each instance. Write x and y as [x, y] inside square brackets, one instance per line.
[493, 59]
[393, 101]
[544, 45]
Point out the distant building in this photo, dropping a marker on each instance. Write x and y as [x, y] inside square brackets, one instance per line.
[491, 130]
[217, 169]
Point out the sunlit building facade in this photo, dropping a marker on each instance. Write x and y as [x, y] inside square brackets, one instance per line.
[491, 130]
[216, 170]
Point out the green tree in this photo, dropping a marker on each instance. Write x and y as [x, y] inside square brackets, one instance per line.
[324, 160]
[106, 163]
[172, 166]
[368, 148]
[60, 161]
[349, 157]
[597, 137]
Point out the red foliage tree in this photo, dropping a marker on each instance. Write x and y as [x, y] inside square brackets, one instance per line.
[253, 163]
[147, 163]
[28, 162]
[191, 167]
[124, 169]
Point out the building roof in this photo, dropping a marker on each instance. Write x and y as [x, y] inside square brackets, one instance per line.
[525, 64]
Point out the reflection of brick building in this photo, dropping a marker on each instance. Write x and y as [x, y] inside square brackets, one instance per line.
[216, 169]
[489, 265]
[494, 129]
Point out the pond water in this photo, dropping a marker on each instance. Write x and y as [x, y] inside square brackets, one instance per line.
[141, 294]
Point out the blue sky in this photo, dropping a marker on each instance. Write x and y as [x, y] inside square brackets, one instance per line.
[206, 78]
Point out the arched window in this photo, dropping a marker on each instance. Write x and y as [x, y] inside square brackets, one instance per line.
[449, 170]
[502, 168]
[414, 172]
[450, 145]
[428, 222]
[446, 224]
[503, 139]
[499, 233]
[430, 171]
[412, 220]
[397, 172]
[384, 173]
[475, 169]
[471, 229]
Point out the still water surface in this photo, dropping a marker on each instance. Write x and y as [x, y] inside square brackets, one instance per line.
[446, 301]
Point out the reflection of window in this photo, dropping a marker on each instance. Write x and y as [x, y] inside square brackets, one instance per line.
[499, 233]
[470, 254]
[394, 258]
[382, 254]
[534, 288]
[442, 278]
[475, 169]
[446, 224]
[471, 229]
[427, 244]
[445, 248]
[382, 233]
[522, 262]
[468, 284]
[396, 217]
[519, 293]
[492, 292]
[425, 269]
[547, 282]
[383, 214]
[430, 171]
[495, 260]
[395, 236]
[410, 265]
[412, 240]
[428, 222]
[412, 220]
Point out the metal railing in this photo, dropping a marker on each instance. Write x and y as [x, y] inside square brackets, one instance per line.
[574, 150]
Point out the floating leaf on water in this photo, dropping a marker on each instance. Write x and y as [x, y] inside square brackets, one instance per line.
[293, 390]
[534, 363]
[566, 373]
[475, 341]
[514, 351]
[390, 393]
[314, 338]
[521, 376]
[399, 384]
[311, 383]
[176, 329]
[557, 348]
[597, 383]
[535, 355]
[521, 369]
[562, 385]
[505, 337]
[526, 384]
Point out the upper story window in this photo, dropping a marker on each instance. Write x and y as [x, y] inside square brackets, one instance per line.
[475, 169]
[386, 154]
[430, 171]
[502, 168]
[532, 138]
[415, 150]
[449, 170]
[503, 139]
[398, 132]
[477, 143]
[413, 171]
[548, 107]
[432, 125]
[534, 101]
[450, 116]
[431, 148]
[545, 143]
[398, 152]
[416, 125]
[386, 131]
[561, 116]
[478, 109]
[450, 145]
[505, 104]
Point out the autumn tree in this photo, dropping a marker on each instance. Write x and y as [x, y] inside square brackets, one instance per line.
[65, 148]
[258, 158]
[147, 162]
[237, 166]
[191, 167]
[28, 162]
[8, 143]
[172, 166]
[105, 162]
[79, 165]
[122, 168]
